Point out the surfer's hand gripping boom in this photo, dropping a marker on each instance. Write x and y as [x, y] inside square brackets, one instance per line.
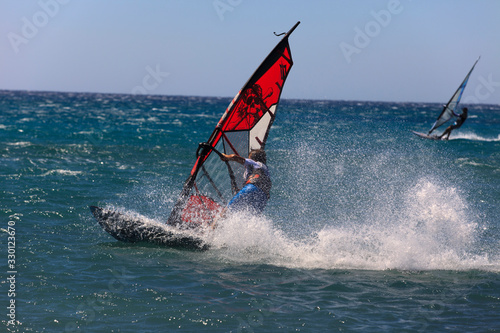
[232, 157]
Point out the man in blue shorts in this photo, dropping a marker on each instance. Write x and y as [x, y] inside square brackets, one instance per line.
[256, 190]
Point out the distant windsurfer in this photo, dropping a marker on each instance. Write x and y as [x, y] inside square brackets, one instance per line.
[256, 190]
[459, 122]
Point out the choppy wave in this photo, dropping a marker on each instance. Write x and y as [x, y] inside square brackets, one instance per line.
[20, 144]
[354, 196]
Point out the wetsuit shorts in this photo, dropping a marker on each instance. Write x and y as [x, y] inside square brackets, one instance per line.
[251, 198]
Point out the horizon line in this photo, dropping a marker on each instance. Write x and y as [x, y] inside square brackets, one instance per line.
[229, 97]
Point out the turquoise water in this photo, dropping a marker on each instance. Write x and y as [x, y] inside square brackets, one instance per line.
[369, 228]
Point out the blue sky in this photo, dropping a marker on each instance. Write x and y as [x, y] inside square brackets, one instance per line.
[388, 50]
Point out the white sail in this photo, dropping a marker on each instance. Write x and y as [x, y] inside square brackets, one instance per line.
[452, 104]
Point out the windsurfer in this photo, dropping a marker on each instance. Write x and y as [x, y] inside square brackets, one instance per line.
[459, 122]
[257, 186]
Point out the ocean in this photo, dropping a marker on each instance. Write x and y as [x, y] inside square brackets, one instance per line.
[369, 228]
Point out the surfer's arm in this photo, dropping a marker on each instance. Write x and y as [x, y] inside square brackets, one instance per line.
[233, 157]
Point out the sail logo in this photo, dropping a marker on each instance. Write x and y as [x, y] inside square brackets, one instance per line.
[39, 20]
[363, 37]
[283, 71]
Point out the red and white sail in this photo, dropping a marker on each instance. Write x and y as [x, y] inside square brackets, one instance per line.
[244, 126]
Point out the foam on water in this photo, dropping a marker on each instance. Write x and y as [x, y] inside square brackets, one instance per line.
[62, 172]
[473, 137]
[431, 231]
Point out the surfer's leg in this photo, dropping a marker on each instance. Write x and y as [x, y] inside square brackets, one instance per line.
[259, 200]
[237, 203]
[240, 200]
[446, 132]
[249, 197]
[449, 129]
